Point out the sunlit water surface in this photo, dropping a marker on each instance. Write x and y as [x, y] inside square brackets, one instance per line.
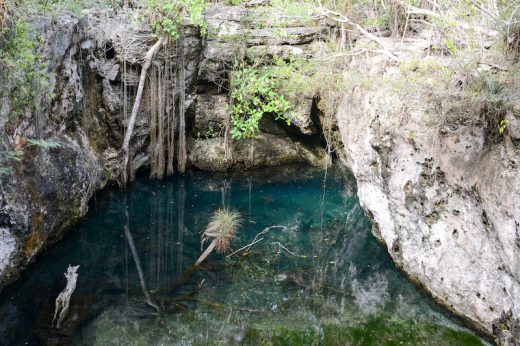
[321, 279]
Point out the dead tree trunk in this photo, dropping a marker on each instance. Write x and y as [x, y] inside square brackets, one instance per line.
[131, 122]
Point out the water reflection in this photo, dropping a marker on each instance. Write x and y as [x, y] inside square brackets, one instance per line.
[319, 278]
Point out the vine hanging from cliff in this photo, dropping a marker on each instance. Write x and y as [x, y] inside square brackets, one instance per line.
[166, 17]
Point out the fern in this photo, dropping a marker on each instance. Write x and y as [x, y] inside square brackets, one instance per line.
[43, 143]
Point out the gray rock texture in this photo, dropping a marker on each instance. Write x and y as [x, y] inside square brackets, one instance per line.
[444, 200]
[48, 189]
[48, 192]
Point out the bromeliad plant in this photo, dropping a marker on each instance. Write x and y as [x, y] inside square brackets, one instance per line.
[221, 230]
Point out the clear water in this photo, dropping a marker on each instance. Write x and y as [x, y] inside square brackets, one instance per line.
[322, 280]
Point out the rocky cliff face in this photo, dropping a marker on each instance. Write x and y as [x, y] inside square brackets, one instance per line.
[442, 191]
[94, 66]
[49, 188]
[444, 196]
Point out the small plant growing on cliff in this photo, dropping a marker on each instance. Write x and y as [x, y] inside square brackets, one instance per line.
[43, 143]
[23, 70]
[167, 16]
[8, 156]
[222, 228]
[255, 93]
[502, 127]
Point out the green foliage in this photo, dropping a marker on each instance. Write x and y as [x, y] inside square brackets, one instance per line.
[234, 2]
[299, 75]
[377, 330]
[167, 16]
[43, 143]
[7, 157]
[23, 69]
[502, 127]
[255, 92]
[53, 8]
[211, 132]
[268, 89]
[23, 72]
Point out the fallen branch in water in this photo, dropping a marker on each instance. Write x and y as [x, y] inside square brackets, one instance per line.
[280, 247]
[63, 300]
[256, 240]
[243, 247]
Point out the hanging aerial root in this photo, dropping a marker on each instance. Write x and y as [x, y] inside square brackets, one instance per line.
[125, 149]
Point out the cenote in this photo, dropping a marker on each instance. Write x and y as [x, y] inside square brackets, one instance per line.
[321, 279]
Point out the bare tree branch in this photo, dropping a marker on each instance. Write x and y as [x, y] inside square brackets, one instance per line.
[131, 122]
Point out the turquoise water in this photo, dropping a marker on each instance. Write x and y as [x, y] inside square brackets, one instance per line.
[320, 279]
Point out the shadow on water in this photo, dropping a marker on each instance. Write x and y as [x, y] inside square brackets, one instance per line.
[321, 279]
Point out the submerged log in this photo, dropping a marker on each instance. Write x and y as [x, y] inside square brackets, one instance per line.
[63, 300]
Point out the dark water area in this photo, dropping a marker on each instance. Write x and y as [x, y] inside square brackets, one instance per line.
[321, 279]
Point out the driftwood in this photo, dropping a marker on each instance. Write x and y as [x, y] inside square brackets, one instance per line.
[63, 300]
[256, 240]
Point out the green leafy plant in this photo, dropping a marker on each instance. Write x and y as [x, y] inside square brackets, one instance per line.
[167, 16]
[43, 143]
[502, 126]
[255, 92]
[8, 156]
[16, 155]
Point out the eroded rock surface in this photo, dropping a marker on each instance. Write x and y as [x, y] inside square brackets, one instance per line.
[444, 200]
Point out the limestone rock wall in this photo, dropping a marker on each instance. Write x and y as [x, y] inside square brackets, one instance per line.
[49, 188]
[444, 199]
